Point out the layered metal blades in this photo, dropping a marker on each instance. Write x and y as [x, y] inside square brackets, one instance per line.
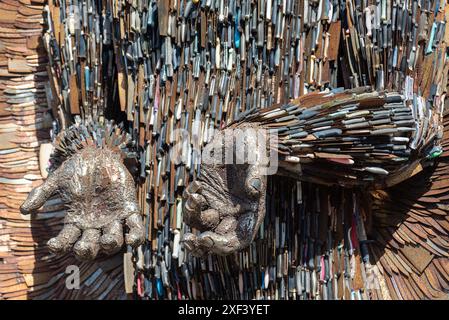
[410, 230]
[91, 132]
[353, 137]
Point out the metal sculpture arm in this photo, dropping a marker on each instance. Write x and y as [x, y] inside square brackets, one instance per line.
[227, 202]
[358, 138]
[99, 193]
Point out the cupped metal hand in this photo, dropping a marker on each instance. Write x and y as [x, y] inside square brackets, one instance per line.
[226, 203]
[100, 197]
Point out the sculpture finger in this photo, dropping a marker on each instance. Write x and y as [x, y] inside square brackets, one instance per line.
[229, 236]
[211, 242]
[208, 219]
[88, 246]
[37, 197]
[204, 220]
[192, 208]
[193, 187]
[64, 241]
[191, 244]
[136, 234]
[112, 239]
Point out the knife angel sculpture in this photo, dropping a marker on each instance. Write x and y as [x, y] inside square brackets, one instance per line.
[186, 64]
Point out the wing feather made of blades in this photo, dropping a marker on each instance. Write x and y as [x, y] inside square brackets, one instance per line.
[411, 232]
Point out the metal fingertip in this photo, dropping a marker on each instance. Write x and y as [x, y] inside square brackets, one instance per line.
[54, 245]
[188, 245]
[109, 242]
[83, 252]
[134, 239]
[23, 210]
[188, 240]
[207, 241]
[195, 187]
[191, 204]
